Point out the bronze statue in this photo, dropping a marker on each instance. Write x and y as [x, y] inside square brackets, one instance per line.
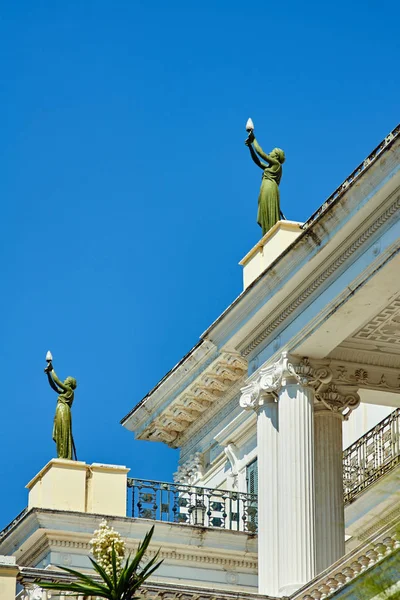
[269, 210]
[62, 428]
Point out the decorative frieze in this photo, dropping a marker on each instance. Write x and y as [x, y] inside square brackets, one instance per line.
[215, 382]
[367, 377]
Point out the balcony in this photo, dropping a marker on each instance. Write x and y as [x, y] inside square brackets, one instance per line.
[192, 505]
[372, 456]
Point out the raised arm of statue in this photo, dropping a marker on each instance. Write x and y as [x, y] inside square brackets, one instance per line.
[52, 384]
[58, 381]
[256, 159]
[270, 159]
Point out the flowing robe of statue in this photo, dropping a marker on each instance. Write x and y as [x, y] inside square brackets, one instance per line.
[269, 198]
[62, 427]
[269, 209]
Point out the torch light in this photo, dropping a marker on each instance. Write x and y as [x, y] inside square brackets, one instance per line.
[249, 125]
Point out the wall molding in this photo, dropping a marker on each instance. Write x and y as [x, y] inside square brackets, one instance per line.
[309, 290]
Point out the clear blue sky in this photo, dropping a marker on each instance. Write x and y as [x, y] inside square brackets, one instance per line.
[128, 196]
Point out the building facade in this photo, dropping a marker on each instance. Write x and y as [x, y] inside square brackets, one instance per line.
[303, 364]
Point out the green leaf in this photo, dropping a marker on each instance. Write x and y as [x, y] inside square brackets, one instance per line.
[122, 586]
[102, 572]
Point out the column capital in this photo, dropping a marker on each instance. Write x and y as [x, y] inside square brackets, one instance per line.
[286, 369]
[339, 400]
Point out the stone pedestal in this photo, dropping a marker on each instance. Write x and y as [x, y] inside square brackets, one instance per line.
[296, 496]
[106, 490]
[74, 485]
[267, 441]
[329, 514]
[8, 577]
[271, 245]
[60, 485]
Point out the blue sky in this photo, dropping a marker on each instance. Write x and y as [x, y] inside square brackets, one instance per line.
[128, 196]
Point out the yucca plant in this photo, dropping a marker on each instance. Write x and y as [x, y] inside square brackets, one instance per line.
[122, 584]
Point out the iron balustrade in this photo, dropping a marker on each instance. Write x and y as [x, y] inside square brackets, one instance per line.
[17, 519]
[371, 456]
[192, 505]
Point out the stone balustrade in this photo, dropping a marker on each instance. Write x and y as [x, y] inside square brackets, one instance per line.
[351, 566]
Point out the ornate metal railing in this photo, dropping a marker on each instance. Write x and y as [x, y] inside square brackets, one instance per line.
[13, 522]
[191, 505]
[370, 457]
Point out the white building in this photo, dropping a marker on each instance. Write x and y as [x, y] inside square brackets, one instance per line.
[304, 362]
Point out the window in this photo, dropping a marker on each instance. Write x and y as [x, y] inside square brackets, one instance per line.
[252, 477]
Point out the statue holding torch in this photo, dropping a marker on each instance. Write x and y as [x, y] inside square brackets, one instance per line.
[62, 429]
[269, 210]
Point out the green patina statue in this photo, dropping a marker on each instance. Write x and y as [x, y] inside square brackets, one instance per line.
[269, 211]
[62, 428]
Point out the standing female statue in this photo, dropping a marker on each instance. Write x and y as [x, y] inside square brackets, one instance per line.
[268, 200]
[62, 429]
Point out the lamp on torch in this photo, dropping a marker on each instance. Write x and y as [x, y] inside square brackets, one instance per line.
[49, 359]
[250, 131]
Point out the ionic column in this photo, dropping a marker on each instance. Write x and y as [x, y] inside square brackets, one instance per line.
[296, 492]
[268, 514]
[264, 401]
[332, 406]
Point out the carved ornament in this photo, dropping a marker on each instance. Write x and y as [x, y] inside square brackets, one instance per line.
[316, 375]
[212, 385]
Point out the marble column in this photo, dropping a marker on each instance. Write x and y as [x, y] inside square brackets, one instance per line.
[261, 396]
[300, 484]
[296, 490]
[333, 405]
[285, 440]
[329, 514]
[268, 516]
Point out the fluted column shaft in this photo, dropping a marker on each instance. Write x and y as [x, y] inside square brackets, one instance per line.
[267, 440]
[296, 491]
[329, 516]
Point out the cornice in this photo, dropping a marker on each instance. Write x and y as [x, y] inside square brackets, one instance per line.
[313, 288]
[189, 367]
[80, 544]
[200, 402]
[156, 590]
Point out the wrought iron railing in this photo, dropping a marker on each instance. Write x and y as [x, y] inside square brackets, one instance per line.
[191, 505]
[17, 519]
[370, 457]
